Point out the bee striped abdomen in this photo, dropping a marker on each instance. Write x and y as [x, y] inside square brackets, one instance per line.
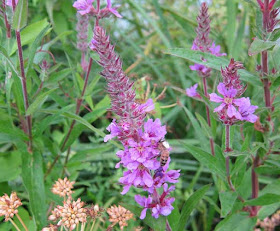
[164, 152]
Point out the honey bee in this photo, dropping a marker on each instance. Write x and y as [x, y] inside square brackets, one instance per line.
[163, 147]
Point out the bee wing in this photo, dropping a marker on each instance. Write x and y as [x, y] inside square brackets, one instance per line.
[166, 144]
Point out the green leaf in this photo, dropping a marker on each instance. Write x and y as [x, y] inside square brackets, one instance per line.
[204, 125]
[197, 128]
[30, 33]
[33, 179]
[190, 205]
[84, 122]
[58, 76]
[266, 199]
[276, 55]
[207, 160]
[237, 222]
[20, 15]
[35, 44]
[10, 165]
[259, 45]
[231, 24]
[173, 217]
[227, 200]
[38, 102]
[97, 112]
[155, 224]
[239, 38]
[212, 62]
[9, 61]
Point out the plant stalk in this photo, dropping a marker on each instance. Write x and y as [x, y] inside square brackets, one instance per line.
[21, 221]
[7, 24]
[204, 80]
[255, 184]
[227, 139]
[23, 83]
[168, 227]
[78, 106]
[14, 224]
[265, 57]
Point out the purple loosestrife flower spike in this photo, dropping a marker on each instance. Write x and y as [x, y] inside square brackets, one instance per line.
[273, 21]
[202, 41]
[82, 35]
[141, 140]
[82, 29]
[119, 87]
[231, 79]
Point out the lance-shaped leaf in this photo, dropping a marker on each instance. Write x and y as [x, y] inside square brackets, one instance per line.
[212, 62]
[20, 16]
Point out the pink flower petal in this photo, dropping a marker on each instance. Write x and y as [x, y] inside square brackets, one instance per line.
[215, 98]
[220, 107]
[231, 111]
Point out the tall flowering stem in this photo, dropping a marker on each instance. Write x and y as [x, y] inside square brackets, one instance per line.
[23, 83]
[266, 13]
[82, 44]
[7, 24]
[204, 44]
[143, 141]
[269, 22]
[78, 107]
[208, 115]
[233, 109]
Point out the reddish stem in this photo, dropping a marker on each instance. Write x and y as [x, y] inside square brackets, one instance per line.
[23, 83]
[7, 24]
[204, 80]
[255, 185]
[227, 139]
[266, 83]
[78, 106]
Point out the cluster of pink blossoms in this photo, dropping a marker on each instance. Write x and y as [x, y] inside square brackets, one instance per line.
[233, 109]
[140, 139]
[86, 7]
[203, 43]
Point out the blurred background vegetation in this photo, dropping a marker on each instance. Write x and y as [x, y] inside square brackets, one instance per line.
[148, 27]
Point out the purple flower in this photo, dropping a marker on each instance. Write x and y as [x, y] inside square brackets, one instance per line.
[201, 69]
[144, 202]
[164, 205]
[163, 176]
[228, 101]
[140, 151]
[10, 2]
[159, 206]
[215, 50]
[139, 177]
[113, 10]
[83, 6]
[148, 106]
[153, 130]
[113, 129]
[246, 111]
[191, 92]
